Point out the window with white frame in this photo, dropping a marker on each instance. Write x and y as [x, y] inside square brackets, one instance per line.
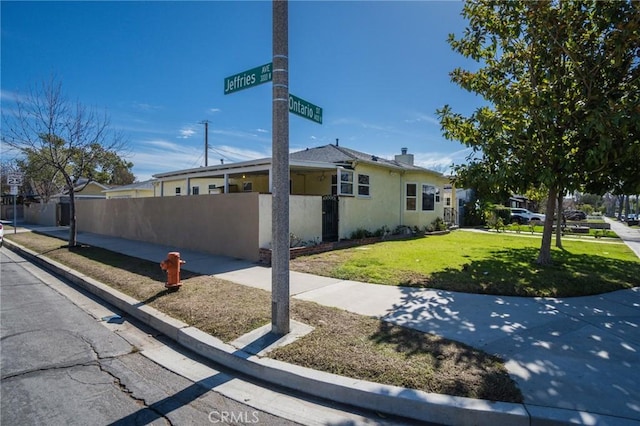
[178, 190]
[346, 183]
[363, 186]
[247, 186]
[430, 196]
[195, 190]
[411, 196]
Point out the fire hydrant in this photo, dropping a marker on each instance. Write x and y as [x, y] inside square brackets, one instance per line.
[172, 265]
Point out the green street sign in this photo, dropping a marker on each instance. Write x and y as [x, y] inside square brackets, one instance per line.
[249, 78]
[305, 109]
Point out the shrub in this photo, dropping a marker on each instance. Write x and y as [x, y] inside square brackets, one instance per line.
[382, 231]
[439, 225]
[360, 233]
[497, 216]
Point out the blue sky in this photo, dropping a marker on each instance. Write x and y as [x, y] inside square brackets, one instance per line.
[379, 70]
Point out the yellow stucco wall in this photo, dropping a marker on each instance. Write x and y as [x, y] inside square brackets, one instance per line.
[311, 183]
[91, 189]
[386, 205]
[378, 209]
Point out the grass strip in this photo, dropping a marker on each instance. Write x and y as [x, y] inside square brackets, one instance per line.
[342, 343]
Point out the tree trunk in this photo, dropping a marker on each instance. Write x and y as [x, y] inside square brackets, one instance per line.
[560, 220]
[544, 257]
[627, 207]
[72, 219]
[621, 204]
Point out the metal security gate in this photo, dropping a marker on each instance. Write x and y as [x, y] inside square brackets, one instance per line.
[64, 214]
[329, 218]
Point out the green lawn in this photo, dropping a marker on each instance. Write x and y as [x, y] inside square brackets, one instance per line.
[492, 263]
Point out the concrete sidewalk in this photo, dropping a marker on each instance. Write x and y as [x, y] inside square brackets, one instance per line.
[575, 359]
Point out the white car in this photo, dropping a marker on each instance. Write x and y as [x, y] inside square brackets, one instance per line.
[525, 216]
[1, 235]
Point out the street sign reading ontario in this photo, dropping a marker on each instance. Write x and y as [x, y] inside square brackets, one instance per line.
[263, 74]
[305, 109]
[249, 78]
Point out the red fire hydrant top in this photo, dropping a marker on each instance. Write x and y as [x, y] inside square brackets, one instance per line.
[172, 265]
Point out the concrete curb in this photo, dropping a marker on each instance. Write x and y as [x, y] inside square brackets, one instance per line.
[410, 403]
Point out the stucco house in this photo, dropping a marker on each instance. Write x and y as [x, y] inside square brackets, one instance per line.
[358, 190]
[227, 208]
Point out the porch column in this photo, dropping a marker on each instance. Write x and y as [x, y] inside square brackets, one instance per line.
[226, 183]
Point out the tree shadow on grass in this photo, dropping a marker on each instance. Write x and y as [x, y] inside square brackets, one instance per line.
[461, 369]
[126, 263]
[513, 272]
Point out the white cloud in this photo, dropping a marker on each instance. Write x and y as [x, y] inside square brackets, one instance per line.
[236, 154]
[9, 96]
[262, 131]
[423, 118]
[159, 156]
[240, 134]
[214, 110]
[186, 132]
[145, 107]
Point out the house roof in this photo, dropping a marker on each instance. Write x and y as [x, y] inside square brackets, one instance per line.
[319, 158]
[338, 154]
[147, 184]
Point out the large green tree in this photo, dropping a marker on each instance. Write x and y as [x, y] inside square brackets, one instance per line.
[62, 141]
[561, 83]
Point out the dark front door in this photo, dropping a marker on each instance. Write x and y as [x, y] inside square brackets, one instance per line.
[64, 218]
[329, 218]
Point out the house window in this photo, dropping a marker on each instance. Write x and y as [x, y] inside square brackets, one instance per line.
[247, 186]
[212, 186]
[363, 186]
[195, 190]
[346, 183]
[430, 196]
[178, 190]
[411, 196]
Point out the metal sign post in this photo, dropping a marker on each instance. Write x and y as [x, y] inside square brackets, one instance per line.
[15, 180]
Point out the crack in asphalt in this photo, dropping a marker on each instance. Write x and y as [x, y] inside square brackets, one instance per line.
[122, 386]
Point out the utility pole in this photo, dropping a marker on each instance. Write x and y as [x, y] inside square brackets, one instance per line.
[280, 166]
[206, 142]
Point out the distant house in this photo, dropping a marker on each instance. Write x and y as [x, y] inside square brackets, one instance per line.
[521, 202]
[57, 211]
[134, 190]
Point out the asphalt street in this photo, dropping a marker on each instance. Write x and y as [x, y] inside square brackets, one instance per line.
[67, 359]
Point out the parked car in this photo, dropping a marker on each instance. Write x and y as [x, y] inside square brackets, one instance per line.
[575, 215]
[523, 216]
[1, 235]
[633, 219]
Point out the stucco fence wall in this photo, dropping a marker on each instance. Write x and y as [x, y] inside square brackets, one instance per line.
[234, 225]
[41, 214]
